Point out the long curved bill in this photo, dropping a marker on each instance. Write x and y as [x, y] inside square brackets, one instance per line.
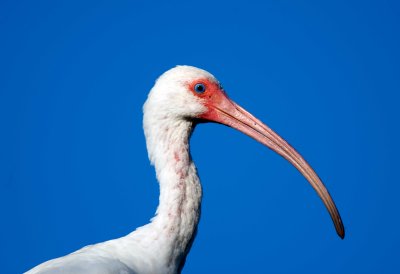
[222, 110]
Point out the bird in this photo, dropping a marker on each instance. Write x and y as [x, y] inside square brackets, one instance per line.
[181, 98]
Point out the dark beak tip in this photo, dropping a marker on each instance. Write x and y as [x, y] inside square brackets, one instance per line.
[341, 234]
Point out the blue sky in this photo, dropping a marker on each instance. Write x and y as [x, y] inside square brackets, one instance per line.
[73, 165]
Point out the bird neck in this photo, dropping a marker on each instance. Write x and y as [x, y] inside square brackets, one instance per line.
[178, 212]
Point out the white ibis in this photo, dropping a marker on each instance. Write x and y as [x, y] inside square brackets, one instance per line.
[180, 98]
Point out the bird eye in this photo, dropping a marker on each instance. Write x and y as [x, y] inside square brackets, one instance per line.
[199, 88]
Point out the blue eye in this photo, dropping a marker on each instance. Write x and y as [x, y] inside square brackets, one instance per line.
[199, 88]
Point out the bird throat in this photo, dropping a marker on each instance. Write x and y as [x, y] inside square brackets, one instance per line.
[178, 212]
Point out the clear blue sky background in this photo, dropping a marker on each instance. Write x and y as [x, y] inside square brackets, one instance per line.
[73, 165]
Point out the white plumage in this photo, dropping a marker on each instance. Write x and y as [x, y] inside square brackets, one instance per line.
[180, 97]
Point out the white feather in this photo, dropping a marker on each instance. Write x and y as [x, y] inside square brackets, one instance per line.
[162, 245]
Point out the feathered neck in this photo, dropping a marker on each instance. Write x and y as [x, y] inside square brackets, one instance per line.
[172, 230]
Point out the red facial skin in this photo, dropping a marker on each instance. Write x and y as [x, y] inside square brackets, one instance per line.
[214, 97]
[221, 109]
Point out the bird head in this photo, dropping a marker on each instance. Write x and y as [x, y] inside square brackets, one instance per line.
[190, 93]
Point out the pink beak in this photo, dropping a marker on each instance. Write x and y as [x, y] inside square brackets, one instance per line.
[222, 110]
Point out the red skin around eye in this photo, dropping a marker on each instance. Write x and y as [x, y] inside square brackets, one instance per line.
[213, 97]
